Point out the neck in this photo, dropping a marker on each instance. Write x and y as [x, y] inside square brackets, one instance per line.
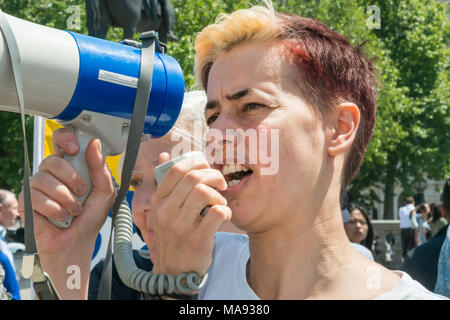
[299, 259]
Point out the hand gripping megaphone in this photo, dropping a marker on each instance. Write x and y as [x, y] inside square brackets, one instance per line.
[88, 85]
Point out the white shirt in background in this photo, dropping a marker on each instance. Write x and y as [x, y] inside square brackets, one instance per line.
[405, 220]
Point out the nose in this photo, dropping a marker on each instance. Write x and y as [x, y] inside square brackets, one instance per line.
[142, 196]
[223, 137]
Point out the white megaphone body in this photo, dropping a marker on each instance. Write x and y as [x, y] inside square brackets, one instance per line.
[87, 84]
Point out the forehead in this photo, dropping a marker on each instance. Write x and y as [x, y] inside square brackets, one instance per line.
[357, 214]
[245, 66]
[10, 201]
[150, 150]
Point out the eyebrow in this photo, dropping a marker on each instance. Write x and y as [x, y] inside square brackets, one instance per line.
[235, 96]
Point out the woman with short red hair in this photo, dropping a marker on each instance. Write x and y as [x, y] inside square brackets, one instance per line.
[276, 72]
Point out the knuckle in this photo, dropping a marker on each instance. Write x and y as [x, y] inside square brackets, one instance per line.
[41, 178]
[193, 177]
[219, 212]
[175, 171]
[201, 162]
[202, 191]
[49, 163]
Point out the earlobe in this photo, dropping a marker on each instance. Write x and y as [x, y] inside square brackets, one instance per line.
[345, 127]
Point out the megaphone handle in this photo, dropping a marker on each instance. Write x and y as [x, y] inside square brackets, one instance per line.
[79, 163]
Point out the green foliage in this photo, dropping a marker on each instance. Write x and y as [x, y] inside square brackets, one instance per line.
[11, 150]
[411, 137]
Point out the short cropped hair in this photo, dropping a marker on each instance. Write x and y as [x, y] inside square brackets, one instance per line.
[5, 195]
[409, 200]
[192, 111]
[330, 70]
[191, 115]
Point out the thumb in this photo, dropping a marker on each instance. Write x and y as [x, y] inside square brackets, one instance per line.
[98, 170]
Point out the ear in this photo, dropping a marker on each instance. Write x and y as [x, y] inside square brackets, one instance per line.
[345, 127]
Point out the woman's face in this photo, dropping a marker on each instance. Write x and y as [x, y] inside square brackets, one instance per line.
[357, 227]
[144, 184]
[253, 89]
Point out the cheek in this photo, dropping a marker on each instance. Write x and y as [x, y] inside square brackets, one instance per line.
[138, 212]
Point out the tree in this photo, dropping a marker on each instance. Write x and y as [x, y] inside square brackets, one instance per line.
[411, 137]
[415, 33]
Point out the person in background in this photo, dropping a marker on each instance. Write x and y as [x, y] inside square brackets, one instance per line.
[443, 278]
[406, 226]
[346, 218]
[359, 229]
[8, 216]
[4, 294]
[9, 279]
[422, 262]
[436, 221]
[419, 217]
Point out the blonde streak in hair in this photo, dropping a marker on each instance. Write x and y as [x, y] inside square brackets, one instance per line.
[242, 26]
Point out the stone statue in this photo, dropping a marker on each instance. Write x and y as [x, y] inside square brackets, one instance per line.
[131, 15]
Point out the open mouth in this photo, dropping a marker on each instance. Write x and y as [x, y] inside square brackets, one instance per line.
[234, 173]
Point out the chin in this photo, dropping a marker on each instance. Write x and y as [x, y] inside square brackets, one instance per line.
[243, 216]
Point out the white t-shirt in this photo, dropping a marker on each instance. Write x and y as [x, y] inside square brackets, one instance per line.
[363, 250]
[227, 275]
[405, 219]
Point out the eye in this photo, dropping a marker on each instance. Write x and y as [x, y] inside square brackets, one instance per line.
[211, 119]
[252, 106]
[135, 182]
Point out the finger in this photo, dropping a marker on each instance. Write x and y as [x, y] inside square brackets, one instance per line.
[65, 140]
[64, 172]
[210, 177]
[47, 206]
[56, 190]
[98, 170]
[216, 216]
[200, 197]
[163, 158]
[177, 172]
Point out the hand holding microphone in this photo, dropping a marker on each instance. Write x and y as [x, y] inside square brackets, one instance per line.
[55, 190]
[184, 238]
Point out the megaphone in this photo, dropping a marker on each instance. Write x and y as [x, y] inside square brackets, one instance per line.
[89, 85]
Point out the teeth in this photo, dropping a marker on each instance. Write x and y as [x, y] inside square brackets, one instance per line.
[232, 168]
[233, 183]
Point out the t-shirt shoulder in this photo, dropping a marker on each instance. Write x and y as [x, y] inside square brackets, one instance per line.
[409, 289]
[228, 239]
[227, 276]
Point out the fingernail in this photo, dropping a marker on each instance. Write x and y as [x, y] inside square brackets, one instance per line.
[77, 210]
[72, 147]
[64, 216]
[82, 189]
